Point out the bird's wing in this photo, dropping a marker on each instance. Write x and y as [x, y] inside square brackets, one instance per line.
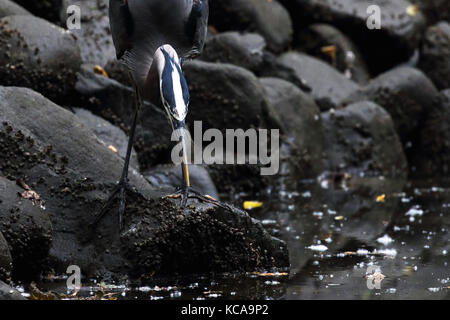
[197, 27]
[121, 24]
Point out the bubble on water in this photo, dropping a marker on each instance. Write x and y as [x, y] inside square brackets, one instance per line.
[175, 294]
[362, 252]
[434, 289]
[385, 240]
[318, 214]
[391, 290]
[414, 211]
[444, 252]
[272, 283]
[306, 194]
[386, 252]
[319, 247]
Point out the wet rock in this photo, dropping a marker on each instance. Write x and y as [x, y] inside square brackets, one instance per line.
[329, 87]
[434, 10]
[435, 55]
[347, 57]
[170, 176]
[242, 49]
[116, 103]
[74, 173]
[253, 15]
[94, 36]
[109, 134]
[432, 156]
[224, 96]
[26, 227]
[406, 94]
[300, 117]
[47, 9]
[5, 259]
[9, 293]
[36, 54]
[395, 42]
[361, 138]
[9, 8]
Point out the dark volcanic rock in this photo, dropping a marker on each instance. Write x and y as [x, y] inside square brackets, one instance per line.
[224, 96]
[433, 151]
[9, 8]
[397, 39]
[242, 49]
[5, 259]
[329, 87]
[407, 94]
[170, 176]
[435, 57]
[74, 172]
[36, 54]
[434, 10]
[94, 36]
[300, 117]
[268, 18]
[26, 226]
[109, 134]
[348, 59]
[362, 138]
[47, 9]
[9, 293]
[115, 102]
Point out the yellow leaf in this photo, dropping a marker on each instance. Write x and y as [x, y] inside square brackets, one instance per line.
[112, 148]
[381, 198]
[412, 10]
[99, 70]
[249, 205]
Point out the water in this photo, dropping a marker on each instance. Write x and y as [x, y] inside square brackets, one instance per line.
[358, 238]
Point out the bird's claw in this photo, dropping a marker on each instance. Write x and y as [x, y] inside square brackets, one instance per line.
[119, 190]
[186, 193]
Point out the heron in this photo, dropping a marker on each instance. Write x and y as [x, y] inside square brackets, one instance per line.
[153, 38]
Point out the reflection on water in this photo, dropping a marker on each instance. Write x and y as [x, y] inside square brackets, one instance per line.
[347, 237]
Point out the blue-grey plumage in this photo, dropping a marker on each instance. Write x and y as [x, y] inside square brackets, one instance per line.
[140, 27]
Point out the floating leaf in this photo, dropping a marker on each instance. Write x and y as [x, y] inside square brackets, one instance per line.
[381, 198]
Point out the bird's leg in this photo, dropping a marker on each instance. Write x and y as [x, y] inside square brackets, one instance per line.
[186, 191]
[120, 188]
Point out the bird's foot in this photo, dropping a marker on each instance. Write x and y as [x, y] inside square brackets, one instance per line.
[186, 193]
[118, 191]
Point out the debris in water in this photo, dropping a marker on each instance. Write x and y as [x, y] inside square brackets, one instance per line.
[381, 198]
